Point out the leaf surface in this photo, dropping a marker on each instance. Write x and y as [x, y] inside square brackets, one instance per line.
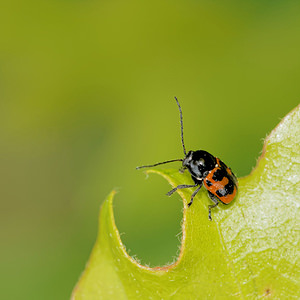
[249, 251]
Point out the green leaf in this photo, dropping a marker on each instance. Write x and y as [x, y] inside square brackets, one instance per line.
[249, 251]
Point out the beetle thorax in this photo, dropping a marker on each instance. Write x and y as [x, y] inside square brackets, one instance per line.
[199, 163]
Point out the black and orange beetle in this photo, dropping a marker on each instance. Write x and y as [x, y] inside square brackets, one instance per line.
[218, 179]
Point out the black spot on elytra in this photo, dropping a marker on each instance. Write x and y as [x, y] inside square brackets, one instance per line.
[221, 192]
[218, 175]
[229, 187]
[209, 183]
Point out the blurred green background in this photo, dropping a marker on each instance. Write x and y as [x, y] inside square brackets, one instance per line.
[86, 94]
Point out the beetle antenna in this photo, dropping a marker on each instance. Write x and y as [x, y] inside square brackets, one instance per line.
[181, 125]
[161, 163]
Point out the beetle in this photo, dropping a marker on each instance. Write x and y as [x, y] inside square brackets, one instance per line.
[205, 169]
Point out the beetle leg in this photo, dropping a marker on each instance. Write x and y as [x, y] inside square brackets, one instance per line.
[194, 194]
[216, 202]
[181, 186]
